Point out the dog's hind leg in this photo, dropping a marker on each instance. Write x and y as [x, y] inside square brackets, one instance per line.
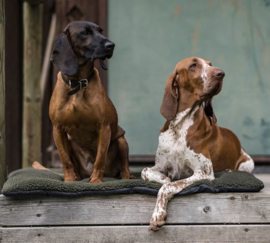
[245, 162]
[123, 156]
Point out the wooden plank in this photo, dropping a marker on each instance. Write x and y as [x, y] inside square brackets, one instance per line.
[133, 209]
[46, 59]
[49, 11]
[14, 84]
[266, 180]
[32, 67]
[2, 95]
[125, 234]
[261, 159]
[258, 159]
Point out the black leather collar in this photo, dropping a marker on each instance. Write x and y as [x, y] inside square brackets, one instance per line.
[77, 84]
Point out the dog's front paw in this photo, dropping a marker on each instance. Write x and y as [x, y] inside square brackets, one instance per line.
[132, 177]
[95, 181]
[127, 176]
[165, 179]
[69, 177]
[157, 221]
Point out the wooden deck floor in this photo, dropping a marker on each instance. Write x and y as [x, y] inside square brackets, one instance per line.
[205, 217]
[266, 180]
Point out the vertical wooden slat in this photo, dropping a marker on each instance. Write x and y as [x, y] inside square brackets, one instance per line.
[32, 22]
[49, 10]
[14, 84]
[2, 95]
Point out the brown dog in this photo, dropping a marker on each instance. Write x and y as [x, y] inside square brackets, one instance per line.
[85, 122]
[191, 145]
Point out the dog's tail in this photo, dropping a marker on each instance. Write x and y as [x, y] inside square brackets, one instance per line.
[36, 165]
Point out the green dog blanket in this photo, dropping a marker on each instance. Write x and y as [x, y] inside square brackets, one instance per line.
[41, 182]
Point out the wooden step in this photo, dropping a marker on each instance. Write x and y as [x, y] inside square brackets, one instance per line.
[233, 217]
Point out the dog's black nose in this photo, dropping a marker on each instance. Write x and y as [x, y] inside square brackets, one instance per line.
[109, 45]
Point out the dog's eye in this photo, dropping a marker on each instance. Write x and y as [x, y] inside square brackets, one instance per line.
[193, 65]
[85, 32]
[100, 29]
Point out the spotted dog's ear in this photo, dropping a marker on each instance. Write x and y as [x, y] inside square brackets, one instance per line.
[169, 104]
[208, 109]
[63, 56]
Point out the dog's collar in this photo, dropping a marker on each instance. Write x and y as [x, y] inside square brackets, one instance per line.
[77, 84]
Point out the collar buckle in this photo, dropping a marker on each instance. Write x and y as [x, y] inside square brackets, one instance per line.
[83, 83]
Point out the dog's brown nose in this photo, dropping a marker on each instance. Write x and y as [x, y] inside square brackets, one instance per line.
[219, 74]
[109, 45]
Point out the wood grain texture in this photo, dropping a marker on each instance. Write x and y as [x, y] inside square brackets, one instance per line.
[126, 234]
[135, 209]
[2, 95]
[14, 84]
[32, 25]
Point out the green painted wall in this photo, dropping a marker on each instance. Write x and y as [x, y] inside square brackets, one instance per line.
[151, 36]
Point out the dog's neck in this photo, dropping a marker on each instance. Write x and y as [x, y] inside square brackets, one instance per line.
[192, 110]
[85, 69]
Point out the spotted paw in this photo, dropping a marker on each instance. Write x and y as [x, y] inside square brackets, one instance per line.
[157, 221]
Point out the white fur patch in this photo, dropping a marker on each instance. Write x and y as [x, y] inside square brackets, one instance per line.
[248, 165]
[204, 70]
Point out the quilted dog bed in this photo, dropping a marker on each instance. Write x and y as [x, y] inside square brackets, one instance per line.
[40, 182]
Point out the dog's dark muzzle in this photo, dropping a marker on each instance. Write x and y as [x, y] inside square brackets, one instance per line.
[107, 52]
[109, 46]
[108, 49]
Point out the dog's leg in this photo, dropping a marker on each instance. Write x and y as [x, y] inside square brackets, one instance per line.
[124, 160]
[101, 158]
[80, 158]
[245, 162]
[154, 174]
[36, 165]
[61, 142]
[166, 192]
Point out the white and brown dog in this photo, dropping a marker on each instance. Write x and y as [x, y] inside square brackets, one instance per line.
[191, 145]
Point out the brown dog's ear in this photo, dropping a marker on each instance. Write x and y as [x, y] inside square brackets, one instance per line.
[208, 109]
[169, 104]
[63, 56]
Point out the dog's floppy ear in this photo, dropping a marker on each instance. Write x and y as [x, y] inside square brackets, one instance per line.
[63, 56]
[208, 108]
[169, 104]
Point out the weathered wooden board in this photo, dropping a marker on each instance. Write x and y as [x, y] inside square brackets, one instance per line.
[135, 209]
[32, 23]
[126, 234]
[2, 95]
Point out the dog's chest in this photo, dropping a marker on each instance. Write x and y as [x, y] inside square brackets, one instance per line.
[173, 155]
[78, 120]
